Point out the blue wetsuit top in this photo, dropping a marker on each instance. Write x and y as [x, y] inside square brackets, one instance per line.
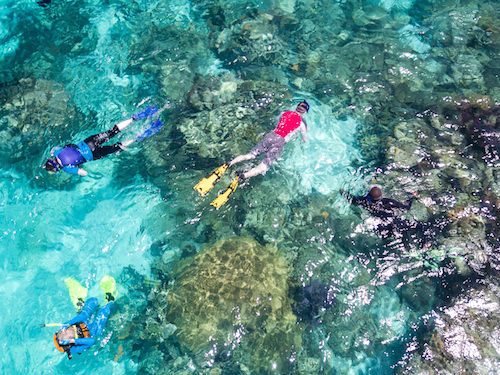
[81, 345]
[85, 342]
[71, 157]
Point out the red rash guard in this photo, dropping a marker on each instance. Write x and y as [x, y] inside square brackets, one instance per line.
[289, 122]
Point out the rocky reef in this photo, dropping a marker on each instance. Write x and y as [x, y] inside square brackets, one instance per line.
[229, 303]
[30, 107]
[466, 337]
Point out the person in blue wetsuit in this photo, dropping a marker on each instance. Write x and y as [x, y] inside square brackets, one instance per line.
[70, 158]
[79, 334]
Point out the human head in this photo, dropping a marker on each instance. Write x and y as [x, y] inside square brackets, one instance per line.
[66, 334]
[302, 108]
[52, 166]
[375, 194]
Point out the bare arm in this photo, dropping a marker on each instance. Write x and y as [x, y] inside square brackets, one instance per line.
[303, 128]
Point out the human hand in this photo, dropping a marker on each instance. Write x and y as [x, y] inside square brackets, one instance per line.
[64, 327]
[82, 172]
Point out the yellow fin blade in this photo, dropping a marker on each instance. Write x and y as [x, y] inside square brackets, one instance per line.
[77, 292]
[206, 184]
[224, 197]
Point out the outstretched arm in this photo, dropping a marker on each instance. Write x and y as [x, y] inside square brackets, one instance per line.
[303, 128]
[81, 344]
[356, 200]
[391, 203]
[241, 158]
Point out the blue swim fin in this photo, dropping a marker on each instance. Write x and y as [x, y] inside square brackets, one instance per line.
[153, 128]
[149, 111]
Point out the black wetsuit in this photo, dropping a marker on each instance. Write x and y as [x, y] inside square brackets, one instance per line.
[383, 208]
[386, 209]
[95, 143]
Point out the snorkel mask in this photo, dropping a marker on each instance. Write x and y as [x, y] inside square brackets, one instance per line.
[55, 165]
[304, 105]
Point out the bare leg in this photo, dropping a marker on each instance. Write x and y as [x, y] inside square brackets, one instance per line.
[262, 168]
[242, 158]
[122, 125]
[126, 143]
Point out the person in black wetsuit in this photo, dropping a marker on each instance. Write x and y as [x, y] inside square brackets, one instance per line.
[378, 205]
[386, 209]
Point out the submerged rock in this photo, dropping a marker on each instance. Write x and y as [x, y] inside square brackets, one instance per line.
[482, 125]
[311, 300]
[466, 338]
[234, 295]
[230, 115]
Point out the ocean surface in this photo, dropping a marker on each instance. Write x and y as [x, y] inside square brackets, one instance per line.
[404, 94]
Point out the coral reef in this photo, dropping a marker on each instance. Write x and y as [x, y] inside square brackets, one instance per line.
[230, 300]
[481, 122]
[30, 107]
[312, 299]
[239, 114]
[465, 339]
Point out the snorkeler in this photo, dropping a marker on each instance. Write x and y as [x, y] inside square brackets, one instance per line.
[70, 158]
[78, 334]
[290, 123]
[385, 209]
[378, 205]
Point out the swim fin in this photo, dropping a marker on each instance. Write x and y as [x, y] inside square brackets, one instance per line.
[108, 286]
[77, 292]
[149, 111]
[153, 128]
[223, 198]
[206, 184]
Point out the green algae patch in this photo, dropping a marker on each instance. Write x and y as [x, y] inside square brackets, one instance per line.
[235, 295]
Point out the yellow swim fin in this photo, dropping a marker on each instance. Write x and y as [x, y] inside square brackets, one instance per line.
[108, 286]
[223, 198]
[77, 292]
[206, 184]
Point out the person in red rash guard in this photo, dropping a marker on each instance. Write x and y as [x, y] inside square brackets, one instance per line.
[290, 123]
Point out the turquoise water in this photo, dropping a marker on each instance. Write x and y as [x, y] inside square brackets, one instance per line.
[394, 87]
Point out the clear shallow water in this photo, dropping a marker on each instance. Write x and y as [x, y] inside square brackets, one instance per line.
[49, 235]
[76, 68]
